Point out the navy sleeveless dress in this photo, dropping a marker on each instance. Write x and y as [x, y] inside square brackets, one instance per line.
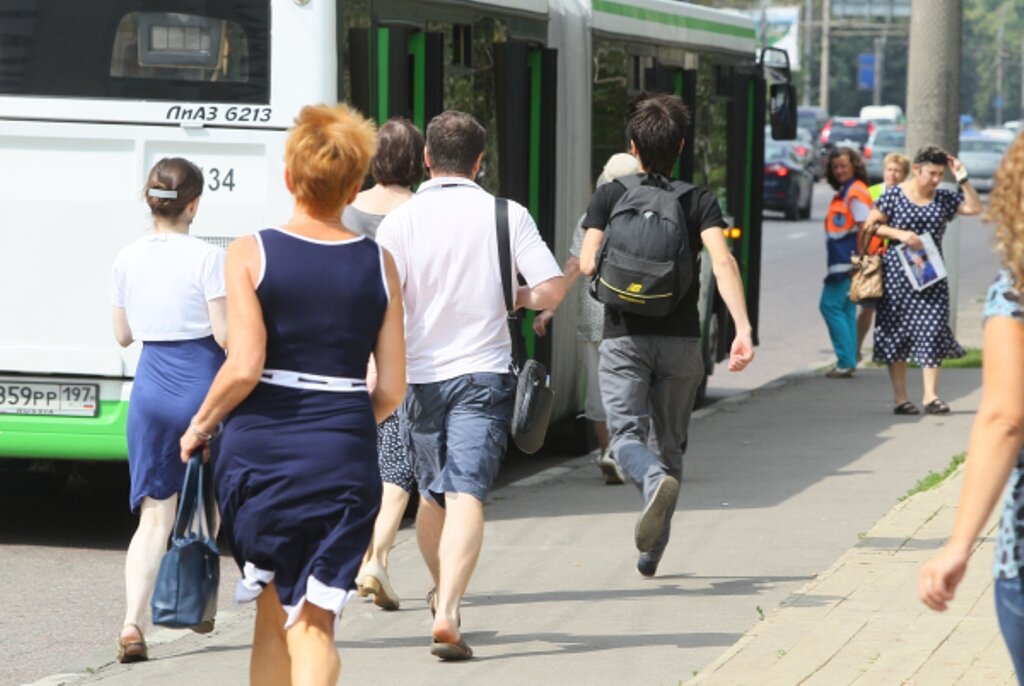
[296, 474]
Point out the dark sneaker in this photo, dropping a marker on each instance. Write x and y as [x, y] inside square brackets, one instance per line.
[647, 565]
[613, 475]
[651, 523]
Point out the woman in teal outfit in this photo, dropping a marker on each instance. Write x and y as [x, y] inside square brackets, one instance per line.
[995, 462]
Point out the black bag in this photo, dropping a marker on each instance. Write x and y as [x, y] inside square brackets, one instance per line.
[532, 410]
[644, 264]
[186, 586]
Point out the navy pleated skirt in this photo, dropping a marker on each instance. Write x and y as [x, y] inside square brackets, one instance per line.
[170, 384]
[299, 489]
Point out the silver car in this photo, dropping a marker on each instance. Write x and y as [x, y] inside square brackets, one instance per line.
[982, 156]
[884, 140]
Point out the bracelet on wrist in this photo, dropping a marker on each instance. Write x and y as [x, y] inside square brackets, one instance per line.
[962, 181]
[202, 435]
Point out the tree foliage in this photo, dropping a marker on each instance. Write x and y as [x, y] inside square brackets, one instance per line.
[981, 27]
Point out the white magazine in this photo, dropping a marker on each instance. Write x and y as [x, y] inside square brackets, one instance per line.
[923, 267]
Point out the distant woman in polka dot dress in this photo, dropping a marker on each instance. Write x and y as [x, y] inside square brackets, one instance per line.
[912, 324]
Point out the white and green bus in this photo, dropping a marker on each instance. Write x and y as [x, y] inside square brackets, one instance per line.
[92, 94]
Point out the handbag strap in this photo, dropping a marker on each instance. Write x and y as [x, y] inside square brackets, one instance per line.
[505, 263]
[870, 231]
[194, 501]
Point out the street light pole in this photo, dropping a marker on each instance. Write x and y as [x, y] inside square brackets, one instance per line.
[806, 67]
[826, 13]
[1000, 34]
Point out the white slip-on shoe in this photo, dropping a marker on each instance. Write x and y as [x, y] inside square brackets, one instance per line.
[613, 475]
[377, 584]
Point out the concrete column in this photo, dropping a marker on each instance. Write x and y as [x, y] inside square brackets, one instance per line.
[933, 99]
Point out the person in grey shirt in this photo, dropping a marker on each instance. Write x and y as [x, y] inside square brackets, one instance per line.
[590, 324]
[397, 167]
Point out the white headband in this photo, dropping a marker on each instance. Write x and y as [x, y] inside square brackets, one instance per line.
[160, 193]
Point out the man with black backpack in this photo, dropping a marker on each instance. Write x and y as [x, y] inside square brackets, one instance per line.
[643, 239]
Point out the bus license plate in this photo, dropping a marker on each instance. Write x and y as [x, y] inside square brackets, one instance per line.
[53, 399]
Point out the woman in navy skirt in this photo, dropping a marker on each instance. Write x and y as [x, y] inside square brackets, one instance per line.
[168, 292]
[296, 468]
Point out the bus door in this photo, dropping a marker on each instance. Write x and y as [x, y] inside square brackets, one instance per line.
[527, 74]
[397, 72]
[744, 180]
[663, 78]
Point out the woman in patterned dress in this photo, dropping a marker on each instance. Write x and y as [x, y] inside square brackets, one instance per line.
[296, 471]
[397, 167]
[995, 462]
[913, 324]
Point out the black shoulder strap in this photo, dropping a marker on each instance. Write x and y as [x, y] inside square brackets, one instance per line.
[629, 180]
[505, 263]
[504, 251]
[681, 188]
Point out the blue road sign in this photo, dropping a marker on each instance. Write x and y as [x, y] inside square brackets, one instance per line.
[866, 71]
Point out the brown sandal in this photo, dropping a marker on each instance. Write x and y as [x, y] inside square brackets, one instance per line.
[132, 651]
[451, 652]
[432, 603]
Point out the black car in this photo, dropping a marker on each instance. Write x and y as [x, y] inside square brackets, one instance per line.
[788, 181]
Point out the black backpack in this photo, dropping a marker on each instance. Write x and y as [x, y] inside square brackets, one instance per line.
[645, 264]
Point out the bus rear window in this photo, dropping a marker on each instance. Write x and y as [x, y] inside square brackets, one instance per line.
[203, 51]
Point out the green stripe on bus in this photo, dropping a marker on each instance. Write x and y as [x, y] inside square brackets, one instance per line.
[383, 47]
[67, 438]
[677, 89]
[748, 188]
[657, 17]
[418, 51]
[533, 203]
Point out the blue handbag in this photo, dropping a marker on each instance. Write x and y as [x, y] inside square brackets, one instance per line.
[186, 586]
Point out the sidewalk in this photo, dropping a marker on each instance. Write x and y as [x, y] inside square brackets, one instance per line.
[860, 621]
[779, 483]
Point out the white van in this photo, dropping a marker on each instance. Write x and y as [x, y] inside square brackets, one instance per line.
[883, 114]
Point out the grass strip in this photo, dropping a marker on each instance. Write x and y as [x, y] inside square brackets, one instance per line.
[933, 479]
[972, 360]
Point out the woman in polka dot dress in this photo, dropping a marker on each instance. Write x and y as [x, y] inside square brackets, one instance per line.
[912, 324]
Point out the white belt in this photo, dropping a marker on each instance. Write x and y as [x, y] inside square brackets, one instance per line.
[312, 382]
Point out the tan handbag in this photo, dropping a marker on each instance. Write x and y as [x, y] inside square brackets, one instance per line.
[866, 280]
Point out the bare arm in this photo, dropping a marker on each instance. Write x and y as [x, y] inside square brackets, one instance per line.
[547, 294]
[891, 232]
[996, 439]
[571, 270]
[972, 201]
[218, 311]
[241, 371]
[389, 355]
[730, 286]
[588, 253]
[122, 331]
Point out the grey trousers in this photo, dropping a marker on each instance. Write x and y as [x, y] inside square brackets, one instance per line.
[650, 382]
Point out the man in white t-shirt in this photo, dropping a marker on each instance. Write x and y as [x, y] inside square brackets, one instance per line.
[458, 407]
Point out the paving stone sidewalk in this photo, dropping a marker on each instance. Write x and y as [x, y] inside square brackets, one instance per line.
[860, 622]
